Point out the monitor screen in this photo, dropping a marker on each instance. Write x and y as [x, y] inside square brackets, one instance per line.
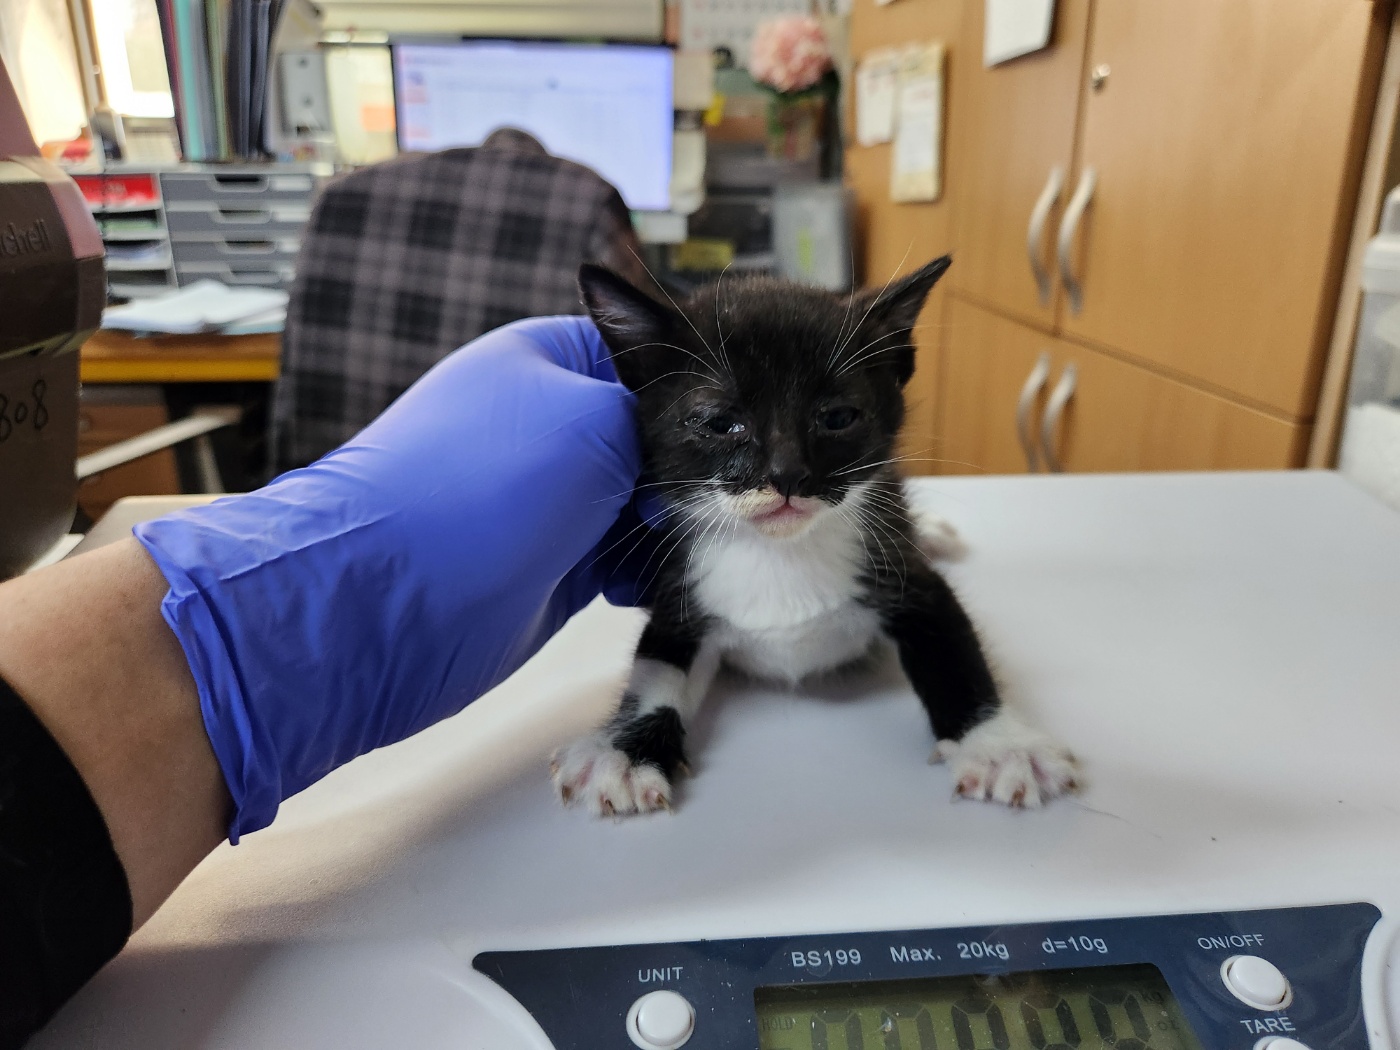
[604, 105]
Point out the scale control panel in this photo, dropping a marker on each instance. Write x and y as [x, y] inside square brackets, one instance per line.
[1278, 979]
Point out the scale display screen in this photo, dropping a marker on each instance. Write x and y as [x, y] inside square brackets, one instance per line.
[1094, 1008]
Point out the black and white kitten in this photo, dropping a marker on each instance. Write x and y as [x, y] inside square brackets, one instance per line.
[768, 414]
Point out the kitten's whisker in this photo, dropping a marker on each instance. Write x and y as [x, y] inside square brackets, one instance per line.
[876, 527]
[719, 327]
[865, 353]
[659, 484]
[674, 304]
[644, 529]
[690, 528]
[715, 516]
[876, 299]
[714, 370]
[877, 339]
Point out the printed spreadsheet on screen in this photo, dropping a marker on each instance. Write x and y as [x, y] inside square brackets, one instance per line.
[608, 106]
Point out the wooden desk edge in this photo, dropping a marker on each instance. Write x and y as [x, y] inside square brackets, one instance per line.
[115, 357]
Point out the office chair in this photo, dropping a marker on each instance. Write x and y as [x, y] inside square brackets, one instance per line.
[403, 262]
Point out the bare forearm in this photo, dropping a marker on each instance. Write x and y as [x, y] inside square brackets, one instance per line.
[84, 644]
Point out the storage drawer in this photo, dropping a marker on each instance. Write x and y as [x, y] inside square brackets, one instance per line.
[263, 275]
[119, 192]
[237, 187]
[235, 250]
[1109, 416]
[106, 416]
[246, 220]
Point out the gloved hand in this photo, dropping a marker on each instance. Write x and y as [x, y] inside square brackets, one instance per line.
[385, 587]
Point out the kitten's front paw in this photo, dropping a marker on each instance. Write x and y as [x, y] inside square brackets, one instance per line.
[592, 771]
[1005, 760]
[937, 538]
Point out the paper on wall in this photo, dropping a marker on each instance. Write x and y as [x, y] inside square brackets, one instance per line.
[915, 166]
[1015, 28]
[877, 85]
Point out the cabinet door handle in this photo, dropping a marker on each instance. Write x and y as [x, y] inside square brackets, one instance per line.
[1035, 232]
[1069, 227]
[1035, 382]
[1054, 408]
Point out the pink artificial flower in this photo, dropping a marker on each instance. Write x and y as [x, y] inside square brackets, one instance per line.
[789, 53]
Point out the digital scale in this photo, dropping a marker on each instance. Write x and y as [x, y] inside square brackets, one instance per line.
[1223, 653]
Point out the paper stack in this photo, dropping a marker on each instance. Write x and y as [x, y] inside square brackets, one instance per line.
[205, 306]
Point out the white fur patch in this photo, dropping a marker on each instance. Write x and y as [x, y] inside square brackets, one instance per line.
[594, 772]
[786, 605]
[1004, 760]
[655, 683]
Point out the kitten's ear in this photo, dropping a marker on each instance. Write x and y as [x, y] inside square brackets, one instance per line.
[633, 324]
[895, 310]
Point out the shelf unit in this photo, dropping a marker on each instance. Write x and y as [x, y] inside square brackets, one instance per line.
[131, 219]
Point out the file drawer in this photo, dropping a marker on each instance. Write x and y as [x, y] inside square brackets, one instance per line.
[262, 275]
[262, 251]
[246, 220]
[237, 187]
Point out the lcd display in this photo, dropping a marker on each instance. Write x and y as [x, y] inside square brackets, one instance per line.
[607, 106]
[1092, 1008]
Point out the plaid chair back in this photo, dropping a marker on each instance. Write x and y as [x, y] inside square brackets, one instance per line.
[405, 261]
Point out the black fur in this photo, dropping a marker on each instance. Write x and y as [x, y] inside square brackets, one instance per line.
[756, 382]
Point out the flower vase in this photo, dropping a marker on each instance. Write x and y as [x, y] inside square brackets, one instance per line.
[795, 127]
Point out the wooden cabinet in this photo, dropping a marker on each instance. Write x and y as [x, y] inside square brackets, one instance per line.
[1108, 415]
[1011, 147]
[1192, 253]
[987, 360]
[897, 238]
[1224, 139]
[107, 416]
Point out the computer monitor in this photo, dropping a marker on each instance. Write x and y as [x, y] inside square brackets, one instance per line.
[608, 106]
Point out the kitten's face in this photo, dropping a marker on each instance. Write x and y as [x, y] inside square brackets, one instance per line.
[761, 402]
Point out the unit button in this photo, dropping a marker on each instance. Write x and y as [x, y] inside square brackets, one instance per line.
[1257, 982]
[1278, 1042]
[660, 1021]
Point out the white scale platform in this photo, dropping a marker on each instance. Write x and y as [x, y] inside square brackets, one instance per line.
[1222, 651]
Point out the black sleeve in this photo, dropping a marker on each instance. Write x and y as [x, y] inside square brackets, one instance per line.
[65, 907]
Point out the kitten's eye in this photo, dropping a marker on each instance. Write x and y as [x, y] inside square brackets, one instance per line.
[724, 424]
[839, 418]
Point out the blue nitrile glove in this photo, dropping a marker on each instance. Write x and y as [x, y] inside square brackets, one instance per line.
[385, 587]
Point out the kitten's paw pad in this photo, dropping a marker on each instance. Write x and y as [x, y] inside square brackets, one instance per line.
[595, 773]
[937, 538]
[1007, 761]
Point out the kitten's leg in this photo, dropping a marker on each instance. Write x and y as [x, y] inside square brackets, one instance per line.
[993, 754]
[630, 765]
[936, 537]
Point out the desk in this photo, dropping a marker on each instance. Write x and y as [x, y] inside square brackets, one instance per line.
[1219, 650]
[116, 357]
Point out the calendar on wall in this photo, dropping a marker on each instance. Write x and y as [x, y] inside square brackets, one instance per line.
[710, 24]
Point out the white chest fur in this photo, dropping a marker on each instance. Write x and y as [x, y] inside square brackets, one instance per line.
[787, 607]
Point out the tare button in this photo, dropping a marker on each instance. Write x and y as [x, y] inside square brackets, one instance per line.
[661, 1020]
[1256, 982]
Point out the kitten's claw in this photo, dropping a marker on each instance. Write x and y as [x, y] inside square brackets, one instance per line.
[1004, 760]
[593, 771]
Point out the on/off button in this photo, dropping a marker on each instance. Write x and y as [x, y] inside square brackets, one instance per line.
[1256, 982]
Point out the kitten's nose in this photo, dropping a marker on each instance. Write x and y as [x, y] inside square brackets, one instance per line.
[789, 480]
